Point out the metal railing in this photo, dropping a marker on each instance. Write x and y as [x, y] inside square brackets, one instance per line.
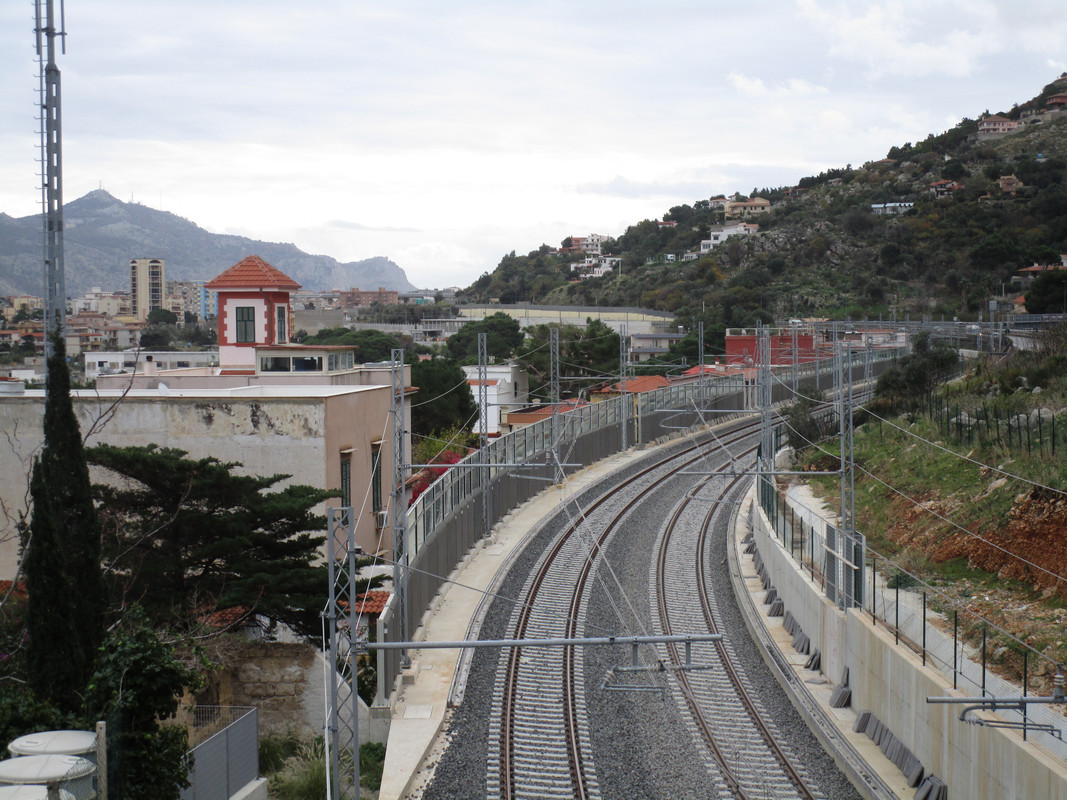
[225, 757]
[962, 645]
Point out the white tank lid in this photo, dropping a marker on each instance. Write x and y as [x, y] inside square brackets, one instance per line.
[73, 743]
[44, 769]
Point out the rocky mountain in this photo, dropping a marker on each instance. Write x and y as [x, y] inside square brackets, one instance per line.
[103, 234]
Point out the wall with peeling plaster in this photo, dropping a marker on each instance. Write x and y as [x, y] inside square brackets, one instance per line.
[299, 436]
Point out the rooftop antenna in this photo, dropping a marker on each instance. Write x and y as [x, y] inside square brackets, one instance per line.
[55, 295]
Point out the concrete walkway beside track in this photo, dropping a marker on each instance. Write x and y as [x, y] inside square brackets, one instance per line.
[420, 712]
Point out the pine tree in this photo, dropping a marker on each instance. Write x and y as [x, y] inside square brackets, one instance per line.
[186, 536]
[62, 544]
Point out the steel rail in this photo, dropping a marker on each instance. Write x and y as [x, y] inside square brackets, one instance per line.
[571, 721]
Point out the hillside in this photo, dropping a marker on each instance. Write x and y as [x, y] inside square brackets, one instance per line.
[821, 250]
[103, 234]
[962, 489]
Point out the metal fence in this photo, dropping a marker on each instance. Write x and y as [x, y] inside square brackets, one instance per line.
[963, 646]
[225, 757]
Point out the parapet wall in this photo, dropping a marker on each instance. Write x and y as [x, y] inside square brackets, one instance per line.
[889, 680]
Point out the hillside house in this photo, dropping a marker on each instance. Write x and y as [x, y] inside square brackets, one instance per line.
[1056, 102]
[1025, 276]
[890, 209]
[720, 233]
[1010, 185]
[595, 266]
[590, 245]
[944, 188]
[997, 125]
[747, 208]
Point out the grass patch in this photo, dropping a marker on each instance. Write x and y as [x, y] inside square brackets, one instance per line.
[295, 765]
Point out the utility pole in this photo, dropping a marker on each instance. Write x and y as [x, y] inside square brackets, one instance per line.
[766, 466]
[55, 294]
[623, 400]
[850, 577]
[700, 364]
[795, 371]
[400, 555]
[483, 428]
[553, 386]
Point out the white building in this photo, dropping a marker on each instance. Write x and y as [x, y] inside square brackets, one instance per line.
[720, 233]
[507, 389]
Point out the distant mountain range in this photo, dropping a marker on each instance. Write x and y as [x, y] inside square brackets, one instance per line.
[103, 234]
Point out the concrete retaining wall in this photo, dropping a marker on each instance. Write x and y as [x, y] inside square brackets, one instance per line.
[976, 762]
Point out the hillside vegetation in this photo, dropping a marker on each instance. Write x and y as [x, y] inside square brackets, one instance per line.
[962, 487]
[821, 250]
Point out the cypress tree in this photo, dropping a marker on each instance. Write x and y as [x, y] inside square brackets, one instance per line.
[62, 563]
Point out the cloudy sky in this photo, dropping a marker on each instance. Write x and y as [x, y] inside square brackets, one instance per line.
[445, 133]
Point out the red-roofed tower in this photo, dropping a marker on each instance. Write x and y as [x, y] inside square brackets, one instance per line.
[253, 310]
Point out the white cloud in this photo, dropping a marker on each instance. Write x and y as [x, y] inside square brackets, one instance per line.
[791, 87]
[445, 136]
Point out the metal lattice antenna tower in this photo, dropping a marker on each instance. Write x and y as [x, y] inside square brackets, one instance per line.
[868, 352]
[55, 290]
[553, 385]
[400, 506]
[700, 364]
[848, 547]
[483, 428]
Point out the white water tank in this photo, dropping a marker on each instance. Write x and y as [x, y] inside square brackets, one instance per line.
[73, 773]
[64, 743]
[31, 793]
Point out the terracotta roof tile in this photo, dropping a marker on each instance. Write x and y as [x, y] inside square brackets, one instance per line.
[642, 383]
[225, 617]
[372, 602]
[253, 273]
[5, 587]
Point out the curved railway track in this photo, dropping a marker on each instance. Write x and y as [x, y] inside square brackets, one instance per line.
[539, 734]
[725, 713]
[541, 728]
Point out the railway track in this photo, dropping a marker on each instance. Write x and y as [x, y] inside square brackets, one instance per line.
[539, 738]
[723, 712]
[540, 743]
